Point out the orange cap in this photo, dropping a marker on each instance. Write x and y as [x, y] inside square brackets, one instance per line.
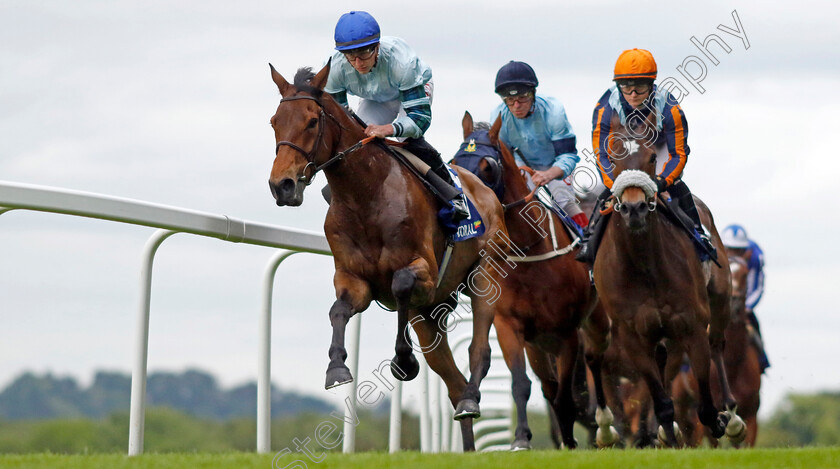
[635, 63]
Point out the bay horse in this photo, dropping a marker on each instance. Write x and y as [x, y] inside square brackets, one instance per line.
[654, 287]
[742, 368]
[387, 244]
[547, 297]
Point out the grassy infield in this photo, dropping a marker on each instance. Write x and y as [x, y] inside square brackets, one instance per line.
[702, 458]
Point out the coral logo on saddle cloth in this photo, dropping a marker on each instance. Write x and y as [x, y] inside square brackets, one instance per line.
[470, 228]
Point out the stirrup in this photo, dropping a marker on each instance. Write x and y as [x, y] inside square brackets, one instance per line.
[707, 241]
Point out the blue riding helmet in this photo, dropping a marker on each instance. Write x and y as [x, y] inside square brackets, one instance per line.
[356, 29]
[515, 78]
[735, 237]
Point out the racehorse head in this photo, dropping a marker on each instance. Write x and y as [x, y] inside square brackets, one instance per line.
[301, 131]
[632, 152]
[481, 154]
[738, 299]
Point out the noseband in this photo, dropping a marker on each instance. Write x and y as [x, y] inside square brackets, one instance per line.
[309, 156]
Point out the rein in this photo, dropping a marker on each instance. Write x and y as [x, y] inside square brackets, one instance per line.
[528, 198]
[310, 155]
[556, 250]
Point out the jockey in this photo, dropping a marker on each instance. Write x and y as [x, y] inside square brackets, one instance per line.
[633, 98]
[737, 244]
[395, 88]
[537, 130]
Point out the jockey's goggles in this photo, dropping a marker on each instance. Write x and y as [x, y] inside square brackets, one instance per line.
[363, 53]
[523, 98]
[628, 87]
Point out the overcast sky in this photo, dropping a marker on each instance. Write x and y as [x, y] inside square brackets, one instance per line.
[169, 102]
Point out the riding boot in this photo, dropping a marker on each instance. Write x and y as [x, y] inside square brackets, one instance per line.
[757, 341]
[427, 153]
[594, 231]
[685, 200]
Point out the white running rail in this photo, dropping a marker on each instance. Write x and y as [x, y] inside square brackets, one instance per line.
[170, 220]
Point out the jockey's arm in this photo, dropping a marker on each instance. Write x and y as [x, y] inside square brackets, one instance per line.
[418, 110]
[675, 128]
[601, 118]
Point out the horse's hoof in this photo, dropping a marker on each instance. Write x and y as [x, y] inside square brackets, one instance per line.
[338, 375]
[405, 368]
[663, 437]
[520, 445]
[467, 408]
[736, 429]
[719, 427]
[571, 444]
[606, 439]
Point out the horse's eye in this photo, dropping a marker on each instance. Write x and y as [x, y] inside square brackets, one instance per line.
[312, 123]
[653, 158]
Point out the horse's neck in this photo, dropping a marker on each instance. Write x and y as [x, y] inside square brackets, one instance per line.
[522, 227]
[361, 175]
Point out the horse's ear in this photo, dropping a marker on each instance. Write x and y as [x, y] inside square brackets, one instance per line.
[320, 79]
[281, 82]
[495, 128]
[467, 124]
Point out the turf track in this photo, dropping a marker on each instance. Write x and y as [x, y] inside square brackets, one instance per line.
[705, 458]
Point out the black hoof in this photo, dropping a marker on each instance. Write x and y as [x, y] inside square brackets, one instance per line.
[337, 375]
[719, 428]
[467, 408]
[405, 368]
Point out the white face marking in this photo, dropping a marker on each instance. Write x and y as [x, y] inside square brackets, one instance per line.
[631, 146]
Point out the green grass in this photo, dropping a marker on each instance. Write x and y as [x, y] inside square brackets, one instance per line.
[703, 458]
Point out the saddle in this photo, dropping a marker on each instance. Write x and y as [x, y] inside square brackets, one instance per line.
[472, 226]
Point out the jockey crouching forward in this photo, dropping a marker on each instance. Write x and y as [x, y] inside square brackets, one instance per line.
[738, 244]
[633, 98]
[395, 88]
[537, 130]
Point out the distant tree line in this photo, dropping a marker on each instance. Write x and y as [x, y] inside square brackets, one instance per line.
[32, 397]
[189, 412]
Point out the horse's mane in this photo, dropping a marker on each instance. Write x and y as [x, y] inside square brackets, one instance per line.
[302, 78]
[481, 126]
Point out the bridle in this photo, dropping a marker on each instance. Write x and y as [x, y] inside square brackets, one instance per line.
[309, 156]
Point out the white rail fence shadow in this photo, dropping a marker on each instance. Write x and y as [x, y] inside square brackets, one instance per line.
[435, 421]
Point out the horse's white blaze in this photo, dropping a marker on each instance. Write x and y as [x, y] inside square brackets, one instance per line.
[631, 146]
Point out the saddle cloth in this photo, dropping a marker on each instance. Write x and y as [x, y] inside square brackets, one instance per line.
[468, 228]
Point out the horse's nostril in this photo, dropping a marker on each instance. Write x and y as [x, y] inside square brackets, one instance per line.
[287, 185]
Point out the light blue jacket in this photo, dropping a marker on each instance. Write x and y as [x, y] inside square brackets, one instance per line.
[397, 69]
[545, 137]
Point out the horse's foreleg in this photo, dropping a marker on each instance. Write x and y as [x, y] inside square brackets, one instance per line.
[407, 285]
[699, 354]
[642, 354]
[564, 403]
[353, 296]
[337, 371]
[719, 306]
[512, 342]
[543, 366]
[479, 352]
[596, 341]
[435, 345]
